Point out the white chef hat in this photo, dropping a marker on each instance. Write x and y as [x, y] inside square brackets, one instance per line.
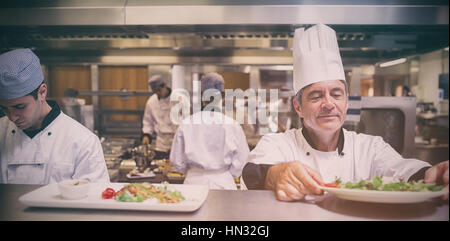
[20, 73]
[316, 56]
[212, 80]
[155, 81]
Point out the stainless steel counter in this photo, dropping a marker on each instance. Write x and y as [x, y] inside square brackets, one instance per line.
[233, 205]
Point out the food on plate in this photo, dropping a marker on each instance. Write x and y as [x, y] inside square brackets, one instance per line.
[175, 174]
[108, 193]
[333, 184]
[138, 192]
[378, 184]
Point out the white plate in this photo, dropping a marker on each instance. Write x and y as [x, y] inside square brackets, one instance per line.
[383, 196]
[49, 196]
[141, 175]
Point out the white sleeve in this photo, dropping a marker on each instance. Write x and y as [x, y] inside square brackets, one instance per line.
[389, 163]
[148, 122]
[269, 151]
[242, 152]
[90, 163]
[177, 156]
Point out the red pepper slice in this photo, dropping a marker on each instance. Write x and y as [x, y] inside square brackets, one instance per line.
[108, 193]
[334, 184]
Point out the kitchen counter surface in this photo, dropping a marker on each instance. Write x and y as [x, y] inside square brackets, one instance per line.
[254, 205]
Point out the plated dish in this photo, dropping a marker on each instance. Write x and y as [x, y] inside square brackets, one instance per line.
[377, 190]
[190, 198]
[139, 192]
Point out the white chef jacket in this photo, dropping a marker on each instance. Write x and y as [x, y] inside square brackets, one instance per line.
[156, 120]
[363, 156]
[210, 153]
[64, 149]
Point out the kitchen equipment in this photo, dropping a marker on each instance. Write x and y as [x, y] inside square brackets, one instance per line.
[143, 155]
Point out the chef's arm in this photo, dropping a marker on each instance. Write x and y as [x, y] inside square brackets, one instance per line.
[148, 126]
[254, 175]
[177, 154]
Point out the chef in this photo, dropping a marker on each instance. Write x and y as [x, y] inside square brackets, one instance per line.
[156, 123]
[208, 146]
[38, 143]
[294, 163]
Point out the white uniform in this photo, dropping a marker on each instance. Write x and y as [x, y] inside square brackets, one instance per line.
[210, 153]
[364, 156]
[157, 121]
[63, 150]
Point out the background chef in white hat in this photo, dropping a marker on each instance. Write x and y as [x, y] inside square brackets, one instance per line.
[156, 123]
[38, 143]
[294, 163]
[213, 150]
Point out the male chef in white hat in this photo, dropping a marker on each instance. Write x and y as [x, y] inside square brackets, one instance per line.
[156, 123]
[295, 163]
[39, 144]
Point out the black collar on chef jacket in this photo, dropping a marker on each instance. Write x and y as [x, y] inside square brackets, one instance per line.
[54, 112]
[340, 141]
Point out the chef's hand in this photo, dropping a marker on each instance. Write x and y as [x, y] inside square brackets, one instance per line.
[438, 174]
[145, 140]
[293, 180]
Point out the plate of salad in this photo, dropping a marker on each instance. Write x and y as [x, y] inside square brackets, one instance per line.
[124, 196]
[379, 190]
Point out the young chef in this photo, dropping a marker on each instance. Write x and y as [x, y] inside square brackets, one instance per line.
[38, 143]
[296, 162]
[156, 122]
[208, 146]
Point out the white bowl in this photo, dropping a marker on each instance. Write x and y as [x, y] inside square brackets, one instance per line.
[74, 189]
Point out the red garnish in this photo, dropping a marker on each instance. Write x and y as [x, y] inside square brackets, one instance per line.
[334, 184]
[108, 193]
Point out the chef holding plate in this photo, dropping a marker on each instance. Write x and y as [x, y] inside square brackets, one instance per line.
[297, 162]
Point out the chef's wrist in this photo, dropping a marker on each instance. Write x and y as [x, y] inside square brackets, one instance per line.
[273, 175]
[270, 180]
[254, 175]
[150, 137]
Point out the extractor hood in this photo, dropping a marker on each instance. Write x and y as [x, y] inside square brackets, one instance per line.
[215, 31]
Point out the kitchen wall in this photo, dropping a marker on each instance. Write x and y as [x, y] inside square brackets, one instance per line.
[431, 65]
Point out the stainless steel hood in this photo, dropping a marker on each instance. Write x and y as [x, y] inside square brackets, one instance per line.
[217, 32]
[210, 12]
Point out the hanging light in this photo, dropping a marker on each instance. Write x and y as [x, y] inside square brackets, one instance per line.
[393, 62]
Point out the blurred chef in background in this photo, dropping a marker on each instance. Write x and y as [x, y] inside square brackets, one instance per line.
[156, 123]
[210, 147]
[38, 143]
[284, 108]
[295, 163]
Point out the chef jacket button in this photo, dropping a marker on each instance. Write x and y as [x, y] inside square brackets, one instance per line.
[13, 131]
[307, 153]
[49, 133]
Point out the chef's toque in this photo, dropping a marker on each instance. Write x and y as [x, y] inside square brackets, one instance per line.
[155, 81]
[212, 80]
[316, 56]
[20, 73]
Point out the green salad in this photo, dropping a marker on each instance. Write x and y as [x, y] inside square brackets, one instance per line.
[376, 183]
